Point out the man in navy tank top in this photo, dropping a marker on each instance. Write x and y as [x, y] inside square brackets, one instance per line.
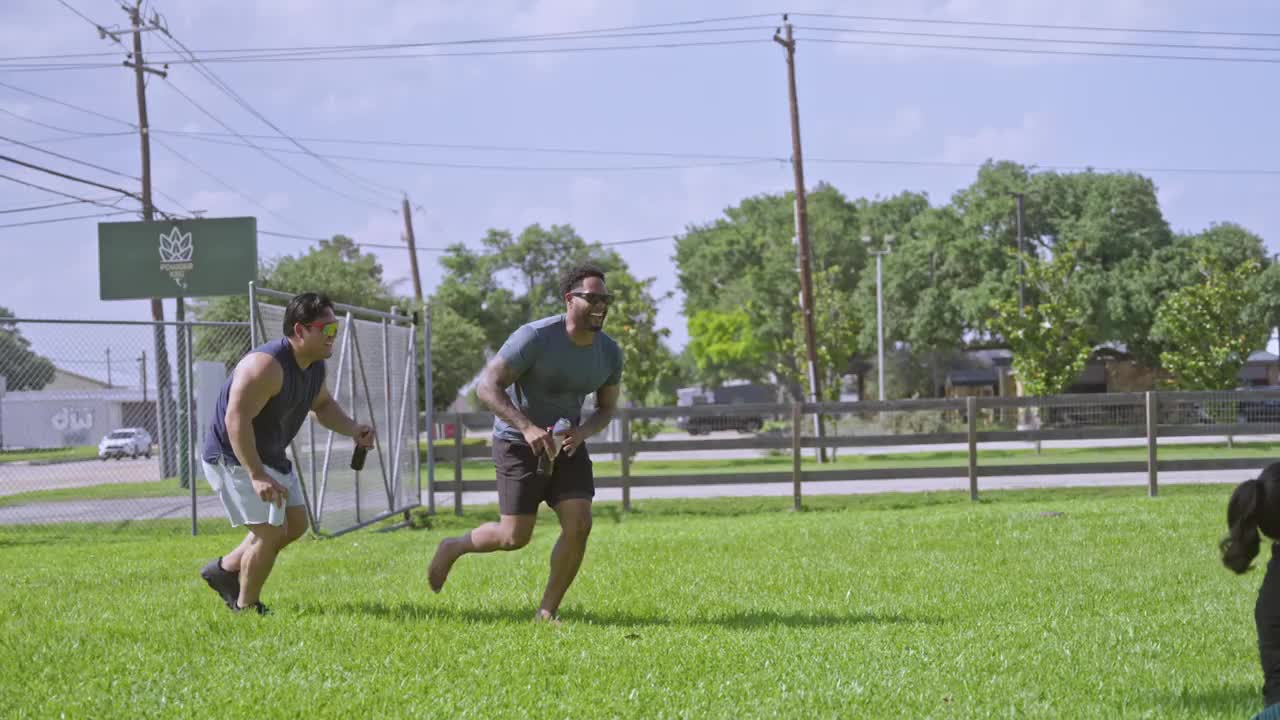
[259, 411]
[536, 385]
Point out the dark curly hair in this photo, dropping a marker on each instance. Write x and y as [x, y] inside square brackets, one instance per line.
[573, 276]
[1254, 506]
[304, 308]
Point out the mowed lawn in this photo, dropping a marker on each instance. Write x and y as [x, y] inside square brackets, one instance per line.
[1083, 603]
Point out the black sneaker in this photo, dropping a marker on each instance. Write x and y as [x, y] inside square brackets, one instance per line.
[258, 606]
[226, 584]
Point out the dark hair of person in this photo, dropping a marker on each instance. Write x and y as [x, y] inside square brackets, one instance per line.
[1252, 511]
[305, 309]
[573, 276]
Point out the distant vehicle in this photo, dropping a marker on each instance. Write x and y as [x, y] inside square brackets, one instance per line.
[1265, 410]
[734, 394]
[125, 441]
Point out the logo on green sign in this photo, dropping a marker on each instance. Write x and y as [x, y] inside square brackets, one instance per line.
[176, 249]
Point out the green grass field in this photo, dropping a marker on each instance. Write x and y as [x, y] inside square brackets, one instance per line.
[1083, 603]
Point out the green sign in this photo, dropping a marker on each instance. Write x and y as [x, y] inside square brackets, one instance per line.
[182, 258]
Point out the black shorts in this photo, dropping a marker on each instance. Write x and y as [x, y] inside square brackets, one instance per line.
[521, 489]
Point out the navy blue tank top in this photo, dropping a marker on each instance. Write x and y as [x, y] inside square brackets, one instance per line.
[280, 419]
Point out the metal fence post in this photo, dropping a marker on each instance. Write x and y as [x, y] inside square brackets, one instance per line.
[971, 410]
[190, 460]
[624, 424]
[428, 405]
[797, 415]
[355, 408]
[457, 463]
[1152, 406]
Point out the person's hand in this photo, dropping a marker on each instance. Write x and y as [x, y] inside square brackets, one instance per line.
[268, 490]
[364, 436]
[539, 441]
[571, 439]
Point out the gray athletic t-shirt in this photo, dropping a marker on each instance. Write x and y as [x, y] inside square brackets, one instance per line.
[553, 375]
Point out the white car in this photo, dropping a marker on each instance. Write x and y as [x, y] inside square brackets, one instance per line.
[125, 441]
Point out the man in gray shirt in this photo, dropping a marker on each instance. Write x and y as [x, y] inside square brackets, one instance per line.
[537, 381]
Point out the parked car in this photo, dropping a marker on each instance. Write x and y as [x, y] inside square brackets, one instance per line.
[125, 441]
[1261, 410]
[727, 395]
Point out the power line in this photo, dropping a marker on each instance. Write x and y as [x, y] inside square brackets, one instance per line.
[627, 30]
[221, 182]
[1035, 51]
[638, 241]
[217, 82]
[485, 148]
[517, 168]
[46, 206]
[66, 219]
[72, 178]
[75, 133]
[1039, 26]
[46, 98]
[56, 192]
[401, 56]
[268, 154]
[84, 17]
[1057, 41]
[68, 158]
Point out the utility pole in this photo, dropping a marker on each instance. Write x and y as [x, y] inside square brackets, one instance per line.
[142, 372]
[108, 367]
[802, 228]
[413, 252]
[166, 419]
[1022, 262]
[880, 253]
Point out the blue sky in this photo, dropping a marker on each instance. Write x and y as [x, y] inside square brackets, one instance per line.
[857, 102]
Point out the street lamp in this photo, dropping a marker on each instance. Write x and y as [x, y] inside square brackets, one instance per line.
[879, 253]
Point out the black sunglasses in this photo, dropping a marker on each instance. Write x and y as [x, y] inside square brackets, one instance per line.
[594, 298]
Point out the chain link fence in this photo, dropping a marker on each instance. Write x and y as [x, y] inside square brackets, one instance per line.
[373, 376]
[96, 421]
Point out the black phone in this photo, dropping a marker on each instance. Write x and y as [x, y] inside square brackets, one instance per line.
[357, 457]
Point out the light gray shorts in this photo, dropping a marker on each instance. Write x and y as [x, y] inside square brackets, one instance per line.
[243, 506]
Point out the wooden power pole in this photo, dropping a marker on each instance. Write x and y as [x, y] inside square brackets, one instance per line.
[413, 251]
[802, 228]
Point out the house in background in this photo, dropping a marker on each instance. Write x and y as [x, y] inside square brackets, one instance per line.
[67, 380]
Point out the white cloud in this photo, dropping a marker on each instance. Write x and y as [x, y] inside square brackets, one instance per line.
[1020, 143]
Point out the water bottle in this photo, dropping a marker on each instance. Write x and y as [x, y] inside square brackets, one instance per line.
[357, 457]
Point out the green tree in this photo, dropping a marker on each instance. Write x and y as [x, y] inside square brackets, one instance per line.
[21, 367]
[837, 315]
[457, 353]
[1049, 338]
[746, 260]
[724, 345]
[335, 267]
[1209, 328]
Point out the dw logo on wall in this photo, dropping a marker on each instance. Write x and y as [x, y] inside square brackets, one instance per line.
[197, 258]
[176, 250]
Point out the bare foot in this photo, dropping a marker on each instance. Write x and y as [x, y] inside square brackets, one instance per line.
[545, 616]
[444, 558]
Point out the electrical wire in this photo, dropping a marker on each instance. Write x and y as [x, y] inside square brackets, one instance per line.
[516, 168]
[46, 206]
[68, 158]
[1037, 26]
[67, 219]
[217, 82]
[1052, 41]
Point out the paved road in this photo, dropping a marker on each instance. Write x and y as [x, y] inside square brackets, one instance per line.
[24, 477]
